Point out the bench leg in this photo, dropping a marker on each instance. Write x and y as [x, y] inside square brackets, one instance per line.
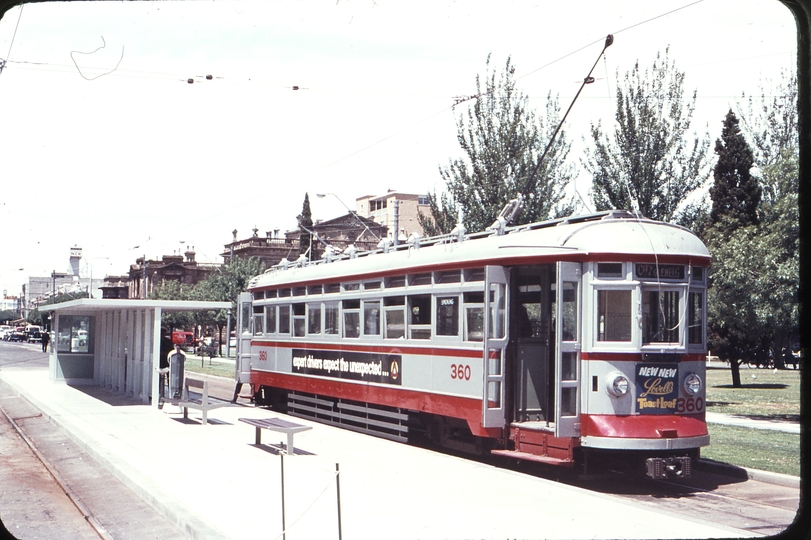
[258, 436]
[290, 450]
[205, 416]
[185, 413]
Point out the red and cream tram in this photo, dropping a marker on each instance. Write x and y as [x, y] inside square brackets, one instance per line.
[578, 341]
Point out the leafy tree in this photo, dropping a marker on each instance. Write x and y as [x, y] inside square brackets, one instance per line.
[173, 290]
[35, 316]
[735, 193]
[8, 315]
[771, 123]
[502, 139]
[224, 285]
[753, 305]
[305, 220]
[649, 158]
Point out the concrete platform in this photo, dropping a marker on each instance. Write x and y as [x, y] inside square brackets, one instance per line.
[215, 483]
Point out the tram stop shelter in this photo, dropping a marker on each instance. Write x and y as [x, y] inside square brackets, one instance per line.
[112, 343]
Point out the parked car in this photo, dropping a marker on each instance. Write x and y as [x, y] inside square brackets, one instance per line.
[33, 332]
[18, 334]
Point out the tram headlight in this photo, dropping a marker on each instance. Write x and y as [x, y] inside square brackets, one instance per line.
[692, 383]
[617, 384]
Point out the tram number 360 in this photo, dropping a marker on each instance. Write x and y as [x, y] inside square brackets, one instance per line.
[689, 405]
[460, 371]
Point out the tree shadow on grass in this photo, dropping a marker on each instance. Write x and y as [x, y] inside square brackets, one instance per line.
[754, 386]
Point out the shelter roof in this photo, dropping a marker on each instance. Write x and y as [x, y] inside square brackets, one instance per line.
[96, 304]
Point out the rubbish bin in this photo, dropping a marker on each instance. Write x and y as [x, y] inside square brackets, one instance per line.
[177, 365]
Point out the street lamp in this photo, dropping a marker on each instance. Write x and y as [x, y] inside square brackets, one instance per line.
[322, 195]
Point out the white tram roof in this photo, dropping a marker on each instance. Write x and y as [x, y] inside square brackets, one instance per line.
[606, 236]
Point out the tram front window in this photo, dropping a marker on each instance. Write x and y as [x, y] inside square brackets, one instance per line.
[614, 315]
[660, 316]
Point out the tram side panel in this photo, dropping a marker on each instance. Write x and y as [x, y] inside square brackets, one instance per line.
[446, 385]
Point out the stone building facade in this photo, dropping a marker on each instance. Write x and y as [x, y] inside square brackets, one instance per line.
[395, 206]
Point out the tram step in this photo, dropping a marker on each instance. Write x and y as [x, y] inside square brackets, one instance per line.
[533, 457]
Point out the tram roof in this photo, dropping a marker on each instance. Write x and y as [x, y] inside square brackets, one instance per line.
[612, 235]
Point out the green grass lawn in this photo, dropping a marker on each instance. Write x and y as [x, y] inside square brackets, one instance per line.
[215, 366]
[764, 394]
[760, 449]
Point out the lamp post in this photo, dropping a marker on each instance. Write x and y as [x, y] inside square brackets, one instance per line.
[322, 195]
[91, 272]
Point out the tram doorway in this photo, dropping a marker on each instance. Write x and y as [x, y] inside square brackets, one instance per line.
[532, 342]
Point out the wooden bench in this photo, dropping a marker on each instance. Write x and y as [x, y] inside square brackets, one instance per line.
[204, 404]
[276, 424]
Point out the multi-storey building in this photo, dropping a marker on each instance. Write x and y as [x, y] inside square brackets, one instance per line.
[396, 211]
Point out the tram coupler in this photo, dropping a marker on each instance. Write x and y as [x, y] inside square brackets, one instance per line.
[670, 467]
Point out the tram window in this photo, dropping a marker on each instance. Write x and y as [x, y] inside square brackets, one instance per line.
[284, 293]
[351, 286]
[568, 366]
[568, 401]
[259, 295]
[313, 318]
[452, 276]
[447, 316]
[698, 274]
[315, 289]
[609, 270]
[474, 316]
[695, 319]
[331, 288]
[474, 323]
[371, 318]
[497, 327]
[270, 319]
[331, 318]
[298, 320]
[284, 319]
[372, 285]
[258, 324]
[614, 315]
[299, 291]
[395, 282]
[394, 309]
[569, 312]
[419, 279]
[660, 316]
[419, 307]
[474, 274]
[270, 294]
[351, 310]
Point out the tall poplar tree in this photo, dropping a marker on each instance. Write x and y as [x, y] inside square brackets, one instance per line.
[502, 139]
[648, 162]
[735, 192]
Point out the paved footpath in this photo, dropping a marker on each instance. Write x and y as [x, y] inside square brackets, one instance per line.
[214, 482]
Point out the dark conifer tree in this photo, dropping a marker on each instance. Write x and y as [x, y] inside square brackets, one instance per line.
[736, 193]
[305, 220]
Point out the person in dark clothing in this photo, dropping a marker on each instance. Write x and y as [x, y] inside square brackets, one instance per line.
[166, 347]
[46, 337]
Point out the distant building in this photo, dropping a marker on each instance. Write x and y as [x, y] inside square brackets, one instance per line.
[403, 208]
[340, 233]
[145, 275]
[115, 287]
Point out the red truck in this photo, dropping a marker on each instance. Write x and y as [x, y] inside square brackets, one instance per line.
[183, 338]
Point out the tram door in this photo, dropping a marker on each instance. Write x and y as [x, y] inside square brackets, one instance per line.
[532, 299]
[243, 355]
[496, 307]
[567, 350]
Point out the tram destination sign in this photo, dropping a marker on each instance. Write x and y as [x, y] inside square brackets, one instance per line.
[356, 366]
[657, 388]
[660, 271]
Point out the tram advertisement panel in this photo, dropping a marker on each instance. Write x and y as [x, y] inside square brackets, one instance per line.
[657, 388]
[369, 367]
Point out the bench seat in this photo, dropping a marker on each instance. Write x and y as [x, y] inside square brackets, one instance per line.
[204, 404]
[276, 424]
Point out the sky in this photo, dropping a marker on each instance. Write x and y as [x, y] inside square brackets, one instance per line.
[106, 146]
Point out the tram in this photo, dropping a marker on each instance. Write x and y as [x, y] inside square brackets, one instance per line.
[573, 342]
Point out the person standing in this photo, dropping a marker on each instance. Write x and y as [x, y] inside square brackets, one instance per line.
[46, 338]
